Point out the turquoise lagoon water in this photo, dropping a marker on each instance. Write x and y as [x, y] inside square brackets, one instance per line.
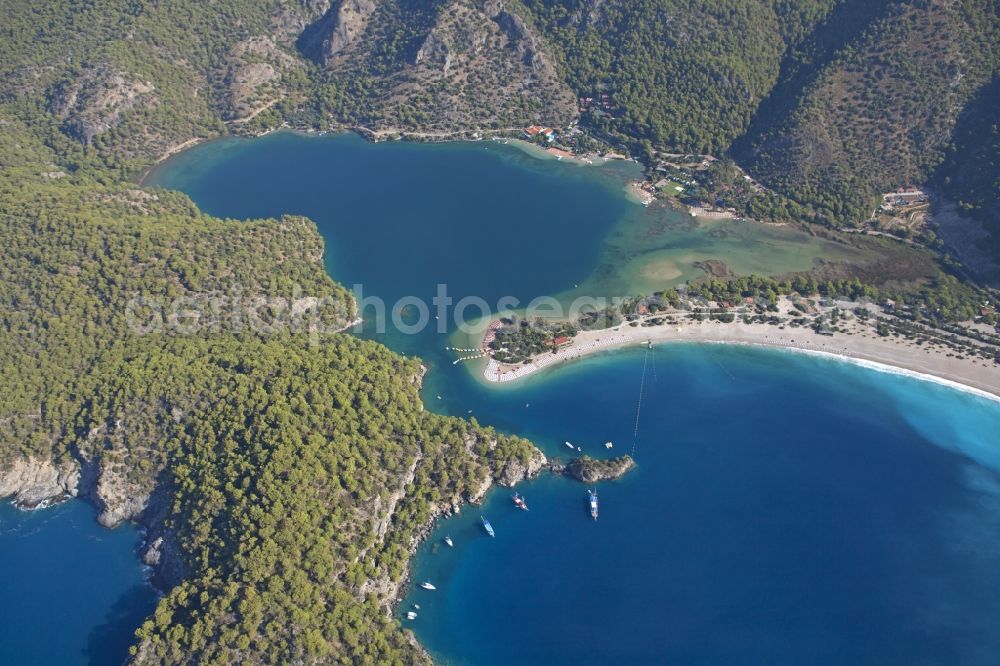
[71, 592]
[786, 509]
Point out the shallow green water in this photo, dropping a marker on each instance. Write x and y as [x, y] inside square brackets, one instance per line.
[486, 218]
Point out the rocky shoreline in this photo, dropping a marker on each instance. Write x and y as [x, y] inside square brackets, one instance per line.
[32, 484]
[591, 470]
[36, 484]
[583, 469]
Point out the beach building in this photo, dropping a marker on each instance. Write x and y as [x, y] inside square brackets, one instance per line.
[547, 133]
[561, 341]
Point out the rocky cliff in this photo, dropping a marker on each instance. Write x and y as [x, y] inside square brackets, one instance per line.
[452, 64]
[91, 104]
[326, 40]
[33, 483]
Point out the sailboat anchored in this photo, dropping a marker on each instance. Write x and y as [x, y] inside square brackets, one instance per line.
[487, 526]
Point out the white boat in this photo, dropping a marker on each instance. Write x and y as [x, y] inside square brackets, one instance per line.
[448, 541]
[411, 615]
[427, 586]
[417, 606]
[608, 445]
[569, 445]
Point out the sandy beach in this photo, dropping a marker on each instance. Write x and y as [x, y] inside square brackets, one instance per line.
[170, 152]
[701, 211]
[861, 345]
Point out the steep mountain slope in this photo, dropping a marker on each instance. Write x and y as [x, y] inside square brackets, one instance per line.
[970, 173]
[881, 113]
[677, 74]
[133, 79]
[435, 66]
[827, 102]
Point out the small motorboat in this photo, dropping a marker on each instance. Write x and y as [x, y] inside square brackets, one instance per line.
[410, 615]
[520, 502]
[448, 541]
[487, 526]
[417, 606]
[569, 445]
[608, 445]
[427, 586]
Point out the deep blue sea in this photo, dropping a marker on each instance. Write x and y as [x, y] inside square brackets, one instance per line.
[786, 509]
[71, 591]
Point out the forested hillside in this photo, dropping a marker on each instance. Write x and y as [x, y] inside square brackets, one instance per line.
[683, 76]
[970, 174]
[129, 80]
[126, 79]
[828, 102]
[432, 66]
[185, 366]
[78, 258]
[881, 113]
[298, 499]
[129, 345]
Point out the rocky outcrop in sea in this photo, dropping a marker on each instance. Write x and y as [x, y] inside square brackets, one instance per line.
[591, 470]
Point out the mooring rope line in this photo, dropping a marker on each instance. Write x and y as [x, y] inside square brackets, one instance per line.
[638, 407]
